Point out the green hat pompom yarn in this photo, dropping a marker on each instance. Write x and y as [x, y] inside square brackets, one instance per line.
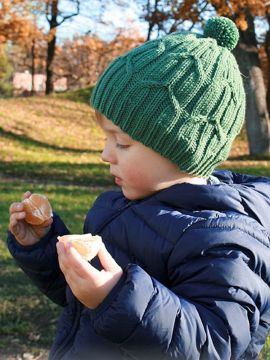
[181, 95]
[223, 30]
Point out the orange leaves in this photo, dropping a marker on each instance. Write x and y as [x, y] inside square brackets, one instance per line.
[239, 9]
[15, 24]
[84, 58]
[186, 10]
[241, 22]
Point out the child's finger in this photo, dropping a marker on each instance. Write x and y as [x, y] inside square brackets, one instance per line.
[14, 229]
[107, 261]
[18, 206]
[14, 223]
[73, 265]
[15, 207]
[64, 261]
[60, 247]
[26, 195]
[46, 223]
[80, 265]
[15, 217]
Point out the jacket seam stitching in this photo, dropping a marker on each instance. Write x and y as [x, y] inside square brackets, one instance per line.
[222, 228]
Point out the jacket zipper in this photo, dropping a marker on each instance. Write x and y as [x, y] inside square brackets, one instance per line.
[115, 215]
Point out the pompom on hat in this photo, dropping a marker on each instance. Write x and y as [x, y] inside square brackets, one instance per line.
[181, 95]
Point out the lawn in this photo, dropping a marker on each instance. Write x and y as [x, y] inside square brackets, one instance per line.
[27, 318]
[52, 145]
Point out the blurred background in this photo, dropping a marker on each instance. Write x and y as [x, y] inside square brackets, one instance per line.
[51, 54]
[61, 45]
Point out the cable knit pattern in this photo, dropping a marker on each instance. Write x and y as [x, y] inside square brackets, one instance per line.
[181, 95]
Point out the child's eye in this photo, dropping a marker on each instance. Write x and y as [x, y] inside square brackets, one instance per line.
[122, 146]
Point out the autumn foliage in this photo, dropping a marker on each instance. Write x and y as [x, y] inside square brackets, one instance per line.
[14, 22]
[83, 59]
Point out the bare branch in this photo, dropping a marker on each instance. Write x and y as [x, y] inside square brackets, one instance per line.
[47, 11]
[71, 15]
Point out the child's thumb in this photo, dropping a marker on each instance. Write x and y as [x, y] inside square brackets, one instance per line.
[107, 261]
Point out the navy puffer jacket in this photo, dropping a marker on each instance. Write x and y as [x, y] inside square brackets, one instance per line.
[196, 263]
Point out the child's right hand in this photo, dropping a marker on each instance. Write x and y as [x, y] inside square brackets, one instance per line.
[25, 233]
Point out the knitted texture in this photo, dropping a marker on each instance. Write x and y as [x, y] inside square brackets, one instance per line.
[181, 95]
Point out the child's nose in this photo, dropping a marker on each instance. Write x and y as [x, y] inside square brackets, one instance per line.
[107, 155]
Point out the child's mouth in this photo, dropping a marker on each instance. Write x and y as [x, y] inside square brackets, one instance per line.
[118, 181]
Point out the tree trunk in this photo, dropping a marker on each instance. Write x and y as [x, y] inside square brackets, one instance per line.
[33, 67]
[49, 62]
[149, 17]
[257, 116]
[51, 47]
[267, 50]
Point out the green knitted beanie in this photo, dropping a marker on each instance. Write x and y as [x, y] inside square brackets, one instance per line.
[181, 95]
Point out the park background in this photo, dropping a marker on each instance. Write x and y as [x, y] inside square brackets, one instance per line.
[51, 54]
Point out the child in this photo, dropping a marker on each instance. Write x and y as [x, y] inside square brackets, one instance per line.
[186, 269]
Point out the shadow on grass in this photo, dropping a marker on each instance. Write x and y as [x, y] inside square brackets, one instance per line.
[250, 158]
[63, 173]
[59, 172]
[26, 141]
[80, 95]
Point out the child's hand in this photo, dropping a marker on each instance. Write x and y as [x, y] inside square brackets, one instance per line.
[89, 285]
[25, 233]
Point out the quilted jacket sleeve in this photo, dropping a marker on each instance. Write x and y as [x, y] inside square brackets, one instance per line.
[211, 310]
[40, 262]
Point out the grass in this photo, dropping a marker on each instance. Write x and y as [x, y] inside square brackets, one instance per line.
[52, 145]
[80, 95]
[63, 146]
[27, 318]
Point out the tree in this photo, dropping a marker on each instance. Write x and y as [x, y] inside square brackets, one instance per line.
[55, 18]
[166, 17]
[14, 24]
[5, 73]
[35, 39]
[257, 114]
[247, 54]
[267, 50]
[18, 26]
[83, 59]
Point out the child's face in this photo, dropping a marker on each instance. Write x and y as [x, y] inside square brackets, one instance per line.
[137, 169]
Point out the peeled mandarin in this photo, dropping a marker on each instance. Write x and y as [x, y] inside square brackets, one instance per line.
[87, 245]
[37, 209]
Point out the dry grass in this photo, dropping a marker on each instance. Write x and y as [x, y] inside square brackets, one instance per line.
[51, 140]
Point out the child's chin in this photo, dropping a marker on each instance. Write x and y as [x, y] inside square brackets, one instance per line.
[133, 194]
[130, 195]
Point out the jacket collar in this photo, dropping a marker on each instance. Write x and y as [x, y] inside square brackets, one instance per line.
[220, 197]
[244, 194]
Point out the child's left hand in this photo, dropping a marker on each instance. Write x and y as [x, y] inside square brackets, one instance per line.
[89, 285]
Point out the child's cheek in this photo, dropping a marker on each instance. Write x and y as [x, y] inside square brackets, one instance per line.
[139, 176]
[133, 173]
